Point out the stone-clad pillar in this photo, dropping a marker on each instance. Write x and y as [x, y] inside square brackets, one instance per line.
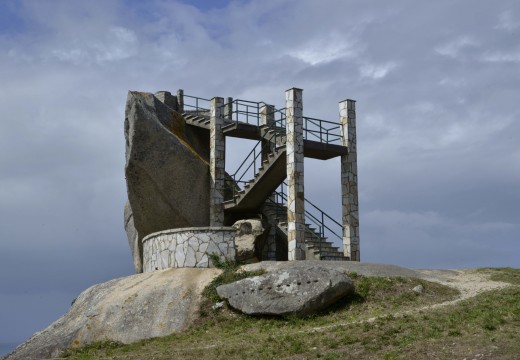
[349, 180]
[295, 157]
[267, 118]
[217, 162]
[180, 101]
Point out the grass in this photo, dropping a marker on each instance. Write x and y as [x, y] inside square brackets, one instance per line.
[486, 326]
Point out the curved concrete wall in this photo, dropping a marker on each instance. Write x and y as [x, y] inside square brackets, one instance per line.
[187, 247]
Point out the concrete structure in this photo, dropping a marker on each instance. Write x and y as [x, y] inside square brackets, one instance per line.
[295, 191]
[349, 181]
[187, 247]
[297, 229]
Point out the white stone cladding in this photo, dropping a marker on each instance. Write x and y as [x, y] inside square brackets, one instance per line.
[217, 162]
[187, 247]
[349, 181]
[295, 157]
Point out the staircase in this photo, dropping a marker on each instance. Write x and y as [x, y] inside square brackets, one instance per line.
[317, 247]
[255, 192]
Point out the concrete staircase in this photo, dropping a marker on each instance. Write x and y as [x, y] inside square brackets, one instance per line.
[317, 247]
[271, 173]
[269, 176]
[197, 118]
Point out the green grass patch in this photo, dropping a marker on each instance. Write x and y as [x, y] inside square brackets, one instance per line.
[487, 324]
[508, 275]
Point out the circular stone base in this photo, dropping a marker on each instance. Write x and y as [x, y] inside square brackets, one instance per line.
[187, 247]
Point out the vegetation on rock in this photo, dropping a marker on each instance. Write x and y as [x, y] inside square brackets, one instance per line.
[384, 320]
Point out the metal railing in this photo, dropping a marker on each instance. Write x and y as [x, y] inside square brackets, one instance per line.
[246, 111]
[274, 136]
[326, 226]
[321, 130]
[196, 105]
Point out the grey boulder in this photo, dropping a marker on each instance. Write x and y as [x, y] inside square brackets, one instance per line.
[126, 310]
[136, 246]
[290, 291]
[250, 239]
[166, 170]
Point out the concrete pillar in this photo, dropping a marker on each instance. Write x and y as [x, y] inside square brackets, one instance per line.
[295, 193]
[267, 118]
[217, 162]
[167, 98]
[228, 111]
[180, 101]
[349, 181]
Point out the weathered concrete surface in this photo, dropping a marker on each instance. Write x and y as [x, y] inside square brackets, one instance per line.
[290, 291]
[136, 246]
[250, 238]
[167, 174]
[127, 309]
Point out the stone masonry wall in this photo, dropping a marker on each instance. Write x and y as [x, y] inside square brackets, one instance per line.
[187, 247]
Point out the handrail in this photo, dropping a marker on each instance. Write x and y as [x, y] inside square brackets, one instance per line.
[197, 100]
[321, 130]
[250, 161]
[317, 220]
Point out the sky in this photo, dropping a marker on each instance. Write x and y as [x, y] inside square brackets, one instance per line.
[437, 85]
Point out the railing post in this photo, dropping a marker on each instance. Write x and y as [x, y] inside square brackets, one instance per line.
[228, 111]
[180, 101]
[295, 193]
[349, 181]
[267, 118]
[217, 163]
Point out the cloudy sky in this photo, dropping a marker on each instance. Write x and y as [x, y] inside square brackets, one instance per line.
[437, 85]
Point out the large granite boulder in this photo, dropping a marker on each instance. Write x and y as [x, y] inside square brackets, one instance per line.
[290, 291]
[250, 238]
[167, 172]
[128, 309]
[136, 246]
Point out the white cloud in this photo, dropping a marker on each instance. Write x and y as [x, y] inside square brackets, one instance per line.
[502, 57]
[116, 44]
[454, 48]
[507, 22]
[326, 49]
[376, 71]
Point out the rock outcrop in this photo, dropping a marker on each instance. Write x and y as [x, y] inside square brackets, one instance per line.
[290, 291]
[167, 171]
[136, 246]
[126, 310]
[250, 239]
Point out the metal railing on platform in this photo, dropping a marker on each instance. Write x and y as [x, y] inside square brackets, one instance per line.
[196, 105]
[321, 130]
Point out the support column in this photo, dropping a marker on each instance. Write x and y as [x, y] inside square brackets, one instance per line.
[217, 162]
[228, 111]
[167, 98]
[267, 118]
[295, 193]
[349, 181]
[180, 101]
